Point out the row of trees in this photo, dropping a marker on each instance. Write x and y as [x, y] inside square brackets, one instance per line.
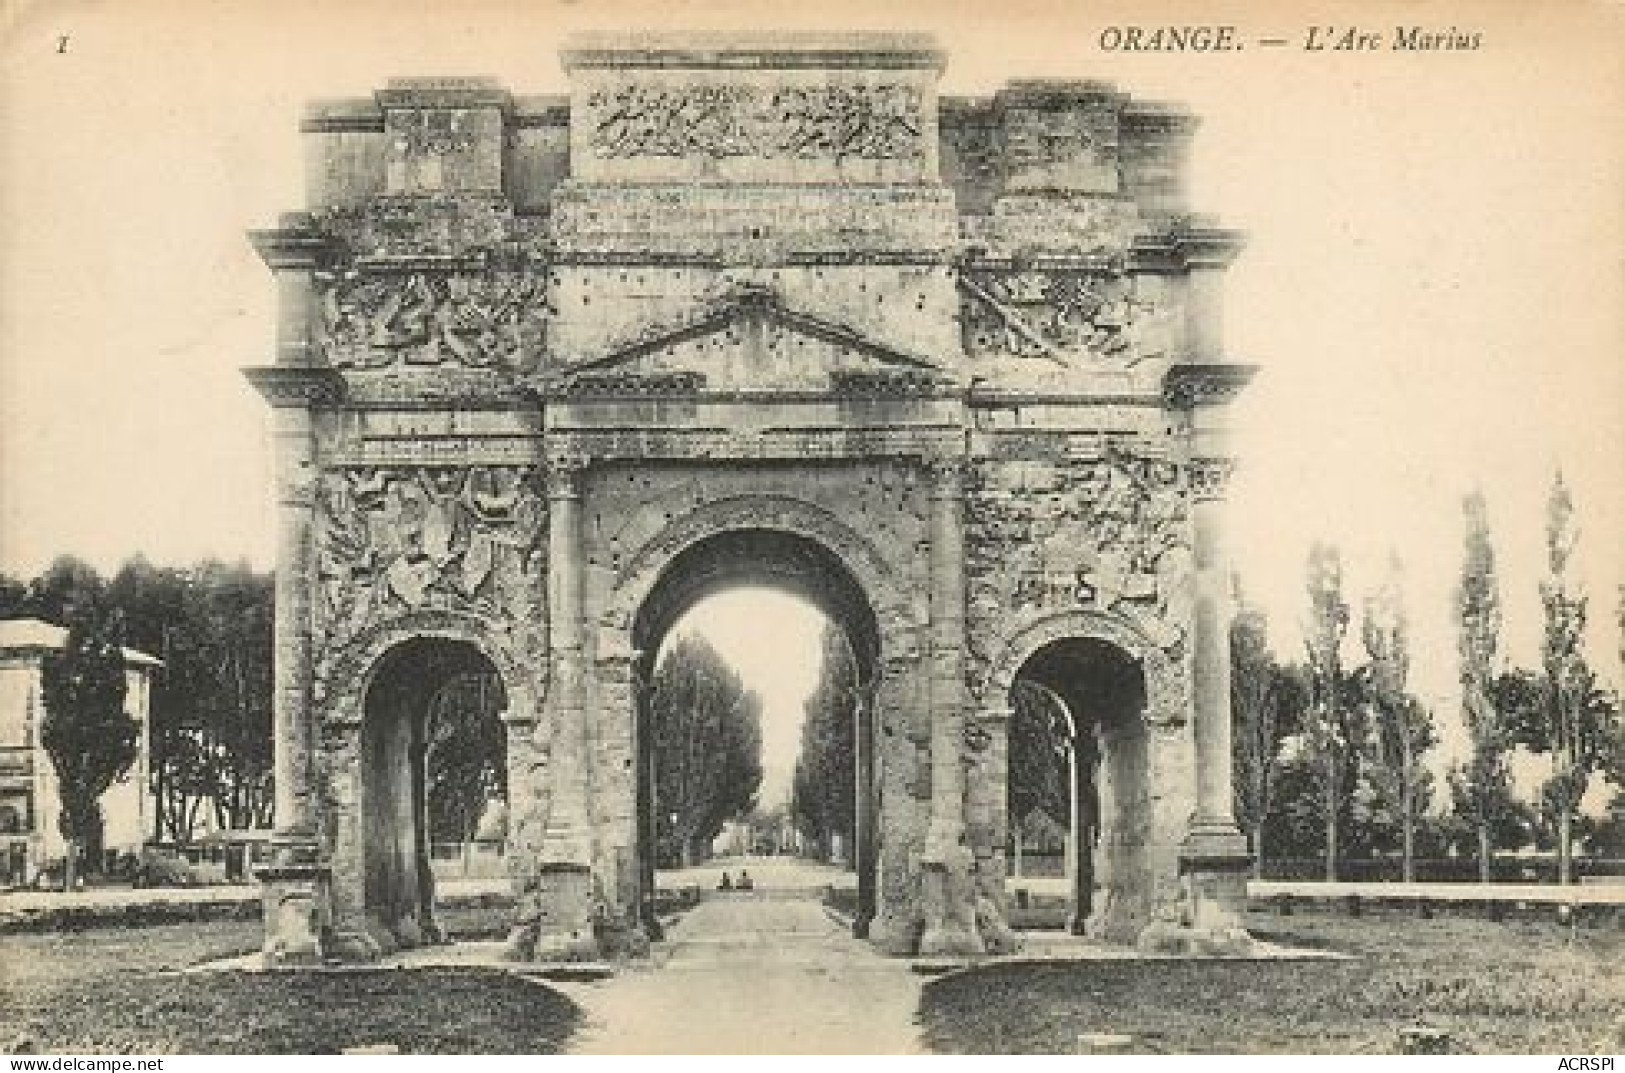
[823, 793]
[706, 736]
[1344, 749]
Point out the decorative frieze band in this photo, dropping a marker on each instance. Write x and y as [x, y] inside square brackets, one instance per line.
[875, 122]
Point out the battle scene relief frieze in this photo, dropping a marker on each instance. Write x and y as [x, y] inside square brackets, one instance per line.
[396, 541]
[874, 122]
[1070, 318]
[1109, 533]
[377, 320]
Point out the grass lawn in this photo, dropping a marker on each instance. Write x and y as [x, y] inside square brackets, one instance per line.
[1516, 987]
[103, 991]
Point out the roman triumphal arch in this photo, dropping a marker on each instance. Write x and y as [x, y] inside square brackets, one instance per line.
[550, 369]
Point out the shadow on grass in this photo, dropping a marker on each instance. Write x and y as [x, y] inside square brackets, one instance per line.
[1496, 989]
[433, 1011]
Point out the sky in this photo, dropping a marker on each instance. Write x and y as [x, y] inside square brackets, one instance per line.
[1432, 287]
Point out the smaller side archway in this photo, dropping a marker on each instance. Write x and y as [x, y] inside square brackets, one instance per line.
[385, 840]
[1105, 688]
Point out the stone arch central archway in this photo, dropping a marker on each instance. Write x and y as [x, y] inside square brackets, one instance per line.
[777, 543]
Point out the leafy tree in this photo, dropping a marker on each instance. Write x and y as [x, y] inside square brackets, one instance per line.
[823, 793]
[13, 597]
[466, 756]
[1040, 740]
[1482, 786]
[1608, 839]
[232, 613]
[707, 737]
[1295, 825]
[211, 702]
[153, 601]
[1266, 704]
[87, 734]
[1332, 725]
[1399, 730]
[68, 583]
[1573, 720]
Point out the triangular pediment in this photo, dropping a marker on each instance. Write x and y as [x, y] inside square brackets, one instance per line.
[750, 340]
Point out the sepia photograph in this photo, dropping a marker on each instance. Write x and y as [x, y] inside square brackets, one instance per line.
[549, 527]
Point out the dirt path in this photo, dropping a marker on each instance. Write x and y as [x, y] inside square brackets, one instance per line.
[761, 973]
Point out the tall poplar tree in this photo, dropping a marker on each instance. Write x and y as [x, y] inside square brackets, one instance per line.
[1574, 721]
[823, 795]
[1481, 786]
[707, 731]
[1331, 730]
[1400, 729]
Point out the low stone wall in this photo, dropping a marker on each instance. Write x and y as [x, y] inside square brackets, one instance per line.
[1588, 903]
[120, 908]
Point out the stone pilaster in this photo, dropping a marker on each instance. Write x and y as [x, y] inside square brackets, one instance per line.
[295, 468]
[987, 820]
[1080, 859]
[863, 818]
[948, 885]
[1214, 857]
[900, 691]
[557, 911]
[295, 894]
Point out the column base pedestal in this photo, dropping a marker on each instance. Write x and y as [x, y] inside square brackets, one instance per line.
[1214, 864]
[894, 934]
[554, 921]
[948, 893]
[296, 908]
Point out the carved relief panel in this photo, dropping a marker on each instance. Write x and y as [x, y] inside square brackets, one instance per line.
[490, 320]
[1109, 533]
[732, 120]
[398, 541]
[1074, 318]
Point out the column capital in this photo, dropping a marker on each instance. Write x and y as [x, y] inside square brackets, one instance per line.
[1210, 477]
[946, 474]
[563, 475]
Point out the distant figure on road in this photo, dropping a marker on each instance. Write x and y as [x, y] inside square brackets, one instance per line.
[745, 882]
[726, 883]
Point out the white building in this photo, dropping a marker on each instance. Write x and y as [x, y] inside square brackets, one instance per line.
[29, 803]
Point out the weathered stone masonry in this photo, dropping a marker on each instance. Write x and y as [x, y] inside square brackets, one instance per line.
[550, 369]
